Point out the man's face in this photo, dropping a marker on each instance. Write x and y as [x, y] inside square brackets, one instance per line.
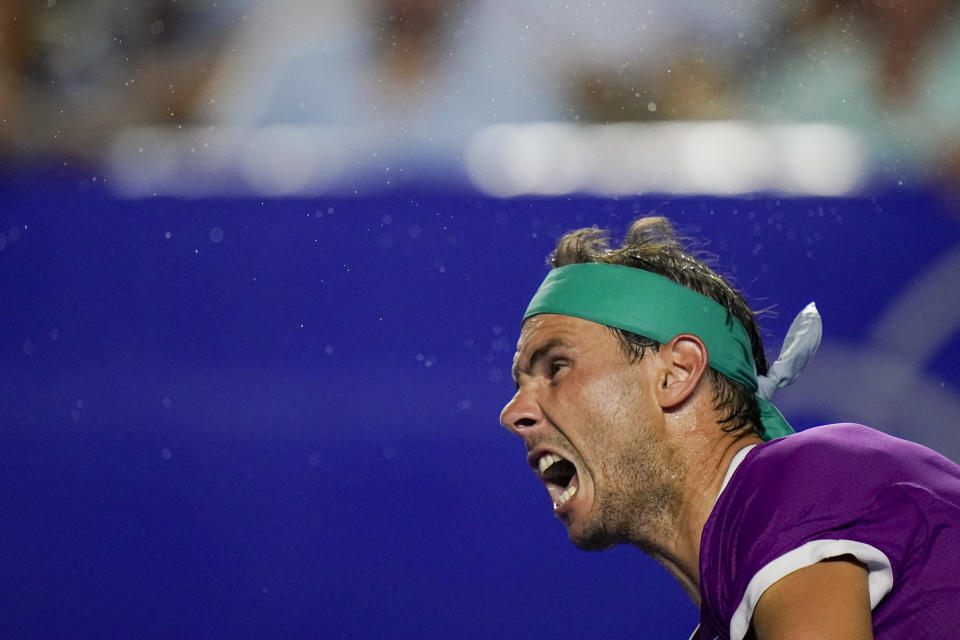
[594, 432]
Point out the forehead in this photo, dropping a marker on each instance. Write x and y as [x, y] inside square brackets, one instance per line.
[566, 329]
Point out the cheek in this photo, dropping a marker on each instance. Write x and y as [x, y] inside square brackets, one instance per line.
[619, 395]
[614, 410]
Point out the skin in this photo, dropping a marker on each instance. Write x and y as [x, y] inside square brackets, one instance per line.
[835, 589]
[650, 459]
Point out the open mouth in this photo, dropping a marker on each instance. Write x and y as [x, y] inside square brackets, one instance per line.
[560, 476]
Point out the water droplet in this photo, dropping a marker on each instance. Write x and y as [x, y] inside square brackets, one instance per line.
[216, 234]
[165, 453]
[414, 231]
[167, 402]
[328, 349]
[167, 235]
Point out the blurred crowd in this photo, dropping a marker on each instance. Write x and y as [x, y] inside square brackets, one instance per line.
[418, 78]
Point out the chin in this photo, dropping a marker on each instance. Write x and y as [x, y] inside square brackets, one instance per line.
[592, 544]
[594, 538]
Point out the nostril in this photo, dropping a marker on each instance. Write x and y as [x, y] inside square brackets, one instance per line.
[524, 422]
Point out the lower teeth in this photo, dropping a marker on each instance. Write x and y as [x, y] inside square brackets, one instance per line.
[566, 495]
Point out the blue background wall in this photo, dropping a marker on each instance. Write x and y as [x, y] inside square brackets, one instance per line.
[245, 418]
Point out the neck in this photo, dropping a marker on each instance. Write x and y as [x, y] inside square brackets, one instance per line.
[707, 458]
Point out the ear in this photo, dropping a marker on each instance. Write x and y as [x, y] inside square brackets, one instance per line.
[683, 361]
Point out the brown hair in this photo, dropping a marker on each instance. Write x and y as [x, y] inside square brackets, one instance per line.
[652, 244]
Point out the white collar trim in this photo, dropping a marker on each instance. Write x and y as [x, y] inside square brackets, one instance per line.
[737, 459]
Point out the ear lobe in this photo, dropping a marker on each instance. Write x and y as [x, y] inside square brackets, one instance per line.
[684, 360]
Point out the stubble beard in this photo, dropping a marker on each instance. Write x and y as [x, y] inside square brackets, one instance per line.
[641, 499]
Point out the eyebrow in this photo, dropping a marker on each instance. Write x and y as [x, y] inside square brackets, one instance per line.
[536, 357]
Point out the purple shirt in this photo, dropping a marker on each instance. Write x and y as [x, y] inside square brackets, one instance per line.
[831, 491]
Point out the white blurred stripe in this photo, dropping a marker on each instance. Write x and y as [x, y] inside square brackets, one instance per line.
[715, 157]
[546, 158]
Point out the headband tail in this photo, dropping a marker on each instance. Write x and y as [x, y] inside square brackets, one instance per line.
[774, 424]
[799, 345]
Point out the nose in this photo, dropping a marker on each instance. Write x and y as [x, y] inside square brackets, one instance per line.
[522, 412]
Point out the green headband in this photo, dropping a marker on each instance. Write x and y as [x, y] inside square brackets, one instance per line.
[657, 308]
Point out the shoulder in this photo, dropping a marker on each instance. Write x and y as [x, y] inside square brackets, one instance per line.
[802, 463]
[831, 440]
[828, 473]
[861, 459]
